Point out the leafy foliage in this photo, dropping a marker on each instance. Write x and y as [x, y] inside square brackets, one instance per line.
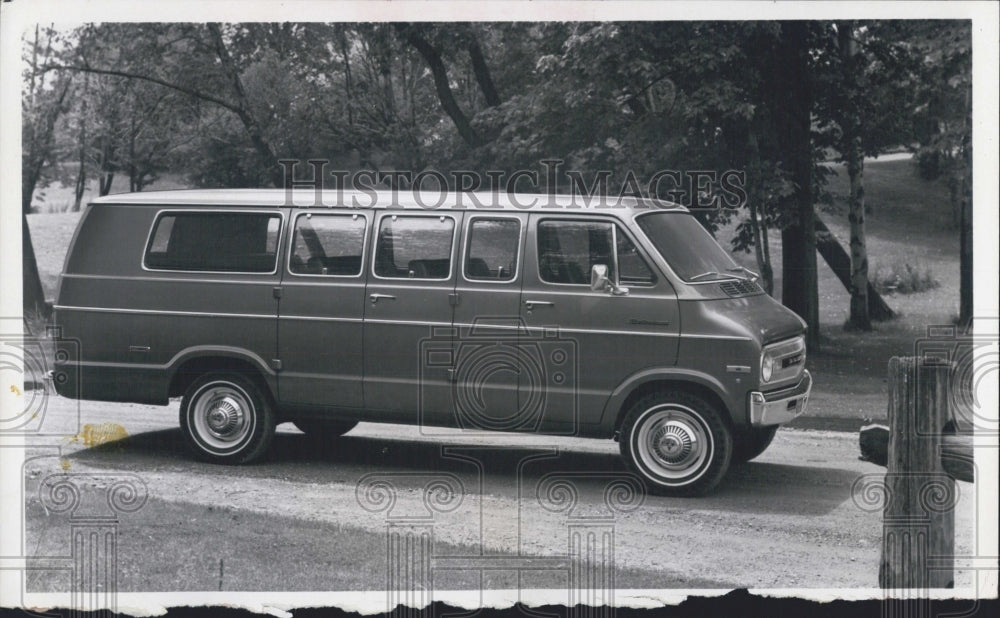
[615, 100]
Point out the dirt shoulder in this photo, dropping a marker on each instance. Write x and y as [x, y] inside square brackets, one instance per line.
[787, 520]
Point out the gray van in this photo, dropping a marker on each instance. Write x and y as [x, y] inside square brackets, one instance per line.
[617, 319]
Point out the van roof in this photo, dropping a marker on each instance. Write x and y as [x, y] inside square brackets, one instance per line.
[426, 200]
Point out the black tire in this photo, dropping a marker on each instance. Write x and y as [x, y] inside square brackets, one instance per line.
[319, 429]
[678, 442]
[751, 443]
[227, 418]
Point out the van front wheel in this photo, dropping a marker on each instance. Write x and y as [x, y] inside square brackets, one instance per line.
[679, 443]
[752, 443]
[226, 418]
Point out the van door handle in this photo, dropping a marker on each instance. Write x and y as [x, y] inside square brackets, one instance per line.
[375, 297]
[531, 303]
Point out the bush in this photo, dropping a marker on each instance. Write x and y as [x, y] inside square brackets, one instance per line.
[929, 164]
[903, 278]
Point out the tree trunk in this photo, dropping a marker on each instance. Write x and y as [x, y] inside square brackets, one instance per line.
[81, 182]
[859, 253]
[433, 59]
[759, 228]
[965, 311]
[792, 106]
[81, 175]
[104, 182]
[851, 149]
[33, 296]
[38, 149]
[840, 263]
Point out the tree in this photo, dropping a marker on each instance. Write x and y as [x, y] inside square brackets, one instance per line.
[791, 108]
[944, 126]
[188, 58]
[413, 35]
[41, 105]
[854, 87]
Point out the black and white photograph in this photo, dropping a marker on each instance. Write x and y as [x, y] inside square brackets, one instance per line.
[559, 308]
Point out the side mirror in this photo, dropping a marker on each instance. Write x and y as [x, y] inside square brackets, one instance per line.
[599, 278]
[599, 281]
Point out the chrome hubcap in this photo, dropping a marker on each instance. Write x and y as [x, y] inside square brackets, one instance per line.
[674, 443]
[222, 416]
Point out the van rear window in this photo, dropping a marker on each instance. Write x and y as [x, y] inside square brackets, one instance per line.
[214, 241]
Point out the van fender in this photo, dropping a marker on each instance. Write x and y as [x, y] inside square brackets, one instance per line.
[267, 373]
[609, 417]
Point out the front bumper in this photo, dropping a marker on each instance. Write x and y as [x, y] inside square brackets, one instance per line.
[781, 406]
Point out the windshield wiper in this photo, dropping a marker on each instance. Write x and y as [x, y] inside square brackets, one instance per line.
[710, 273]
[713, 273]
[753, 276]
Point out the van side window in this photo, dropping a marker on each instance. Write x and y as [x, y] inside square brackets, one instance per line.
[492, 249]
[568, 249]
[411, 247]
[214, 241]
[327, 245]
[631, 265]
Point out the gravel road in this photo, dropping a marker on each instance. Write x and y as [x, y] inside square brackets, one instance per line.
[786, 520]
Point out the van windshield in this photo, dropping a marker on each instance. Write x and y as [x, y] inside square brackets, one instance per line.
[688, 247]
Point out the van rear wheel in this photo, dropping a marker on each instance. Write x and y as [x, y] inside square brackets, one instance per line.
[324, 428]
[679, 443]
[226, 418]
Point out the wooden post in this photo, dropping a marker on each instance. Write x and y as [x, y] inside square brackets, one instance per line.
[918, 521]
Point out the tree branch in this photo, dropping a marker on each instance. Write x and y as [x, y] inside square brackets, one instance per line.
[148, 78]
[447, 98]
[482, 72]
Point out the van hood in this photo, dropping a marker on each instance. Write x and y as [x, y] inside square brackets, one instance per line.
[758, 317]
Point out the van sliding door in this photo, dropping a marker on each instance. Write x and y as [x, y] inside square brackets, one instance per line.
[487, 360]
[408, 315]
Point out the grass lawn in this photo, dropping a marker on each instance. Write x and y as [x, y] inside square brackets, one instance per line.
[909, 223]
[58, 198]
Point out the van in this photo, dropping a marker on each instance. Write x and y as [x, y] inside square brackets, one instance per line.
[616, 319]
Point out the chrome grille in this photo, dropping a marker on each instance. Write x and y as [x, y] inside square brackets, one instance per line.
[789, 357]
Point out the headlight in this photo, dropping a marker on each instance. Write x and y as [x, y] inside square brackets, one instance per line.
[766, 366]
